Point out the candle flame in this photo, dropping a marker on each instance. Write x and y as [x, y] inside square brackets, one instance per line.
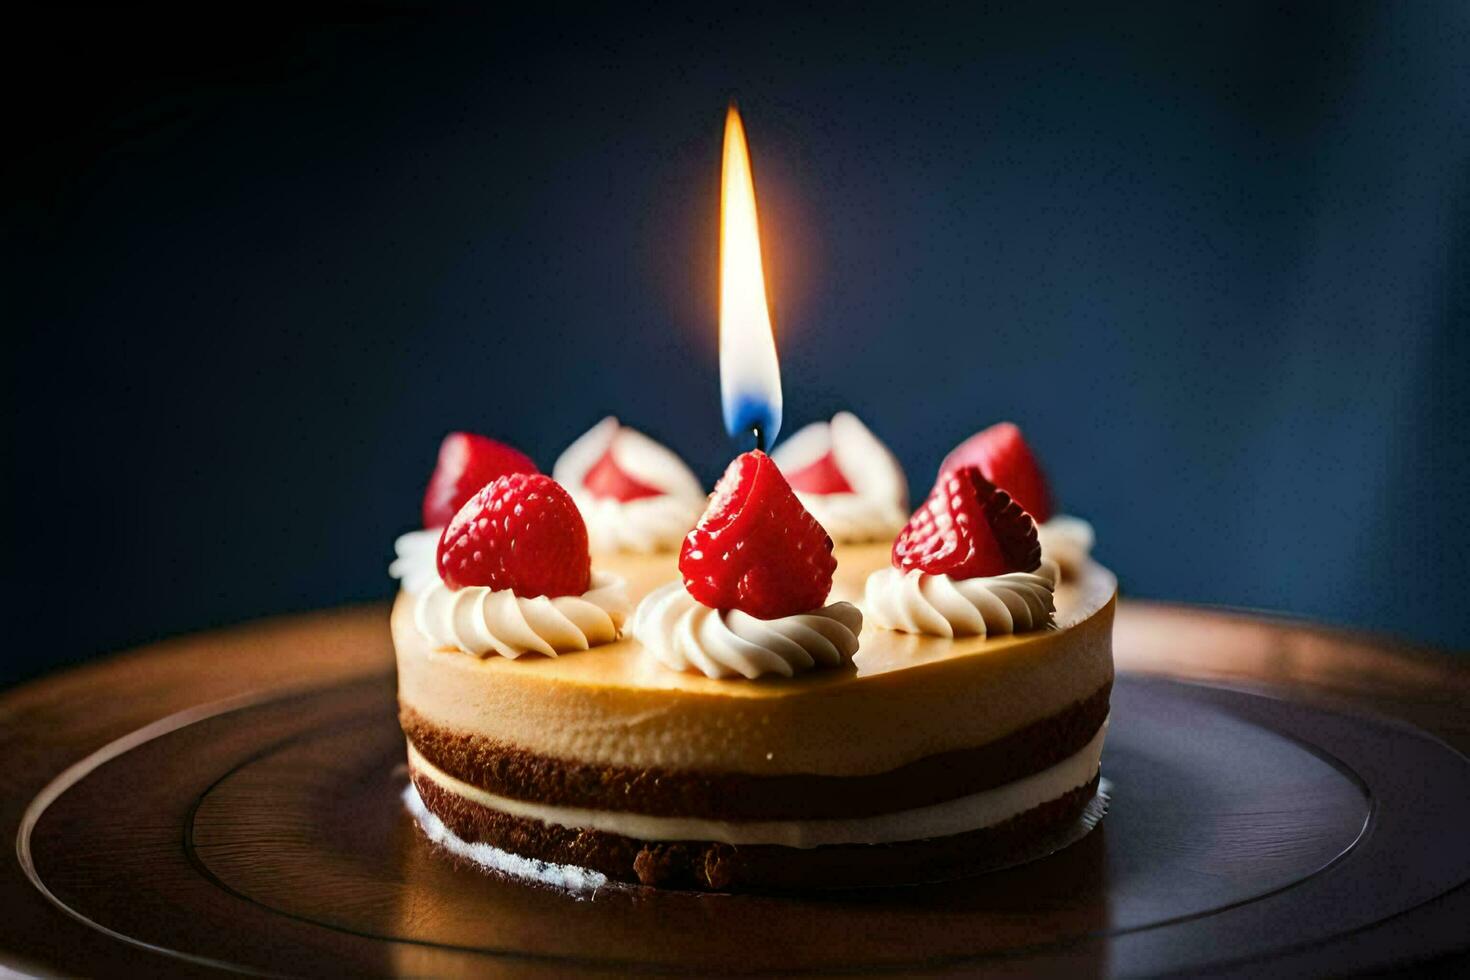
[750, 378]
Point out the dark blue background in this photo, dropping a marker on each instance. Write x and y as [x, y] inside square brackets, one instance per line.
[1214, 260]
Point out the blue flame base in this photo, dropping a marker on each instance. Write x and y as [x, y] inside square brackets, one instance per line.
[745, 413]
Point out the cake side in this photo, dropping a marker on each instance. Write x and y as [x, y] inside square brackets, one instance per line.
[509, 771]
[904, 699]
[923, 759]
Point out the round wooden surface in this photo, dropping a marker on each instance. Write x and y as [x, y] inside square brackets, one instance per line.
[232, 802]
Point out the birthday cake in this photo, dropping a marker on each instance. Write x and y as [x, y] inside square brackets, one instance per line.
[598, 672]
[605, 676]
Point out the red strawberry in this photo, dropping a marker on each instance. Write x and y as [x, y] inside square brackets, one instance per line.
[1005, 460]
[968, 528]
[607, 479]
[520, 532]
[822, 476]
[466, 463]
[756, 548]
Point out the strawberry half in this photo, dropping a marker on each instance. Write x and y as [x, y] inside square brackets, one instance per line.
[466, 463]
[520, 532]
[1005, 460]
[756, 548]
[968, 528]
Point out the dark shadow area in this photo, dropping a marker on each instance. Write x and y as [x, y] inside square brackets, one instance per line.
[1211, 258]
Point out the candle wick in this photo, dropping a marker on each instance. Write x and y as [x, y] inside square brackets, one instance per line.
[760, 438]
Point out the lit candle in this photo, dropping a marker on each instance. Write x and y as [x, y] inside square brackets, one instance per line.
[750, 379]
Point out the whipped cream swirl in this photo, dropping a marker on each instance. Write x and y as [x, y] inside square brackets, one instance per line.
[684, 635]
[416, 566]
[482, 621]
[651, 522]
[937, 605]
[1066, 540]
[874, 504]
[643, 526]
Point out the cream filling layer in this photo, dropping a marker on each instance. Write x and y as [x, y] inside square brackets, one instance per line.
[974, 812]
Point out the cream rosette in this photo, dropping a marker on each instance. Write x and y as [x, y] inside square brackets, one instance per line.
[1066, 540]
[654, 521]
[936, 605]
[682, 634]
[875, 505]
[482, 621]
[417, 563]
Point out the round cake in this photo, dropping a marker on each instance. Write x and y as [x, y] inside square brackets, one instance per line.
[867, 714]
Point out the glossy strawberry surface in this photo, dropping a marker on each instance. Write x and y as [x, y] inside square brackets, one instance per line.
[466, 463]
[1006, 460]
[520, 532]
[756, 548]
[968, 528]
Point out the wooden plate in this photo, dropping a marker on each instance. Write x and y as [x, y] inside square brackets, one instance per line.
[266, 833]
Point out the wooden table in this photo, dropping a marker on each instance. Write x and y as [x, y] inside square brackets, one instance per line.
[168, 803]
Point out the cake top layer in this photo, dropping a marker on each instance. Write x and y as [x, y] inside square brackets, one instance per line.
[622, 664]
[903, 697]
